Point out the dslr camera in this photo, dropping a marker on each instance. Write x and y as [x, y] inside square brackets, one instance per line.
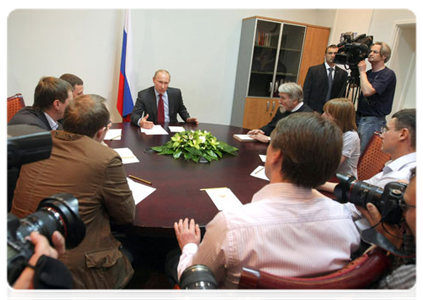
[360, 193]
[198, 283]
[58, 212]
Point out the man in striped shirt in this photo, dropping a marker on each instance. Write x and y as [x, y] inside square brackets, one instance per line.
[288, 229]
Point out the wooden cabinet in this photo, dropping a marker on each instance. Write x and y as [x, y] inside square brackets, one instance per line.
[272, 52]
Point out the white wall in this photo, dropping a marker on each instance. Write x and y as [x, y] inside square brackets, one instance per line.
[199, 47]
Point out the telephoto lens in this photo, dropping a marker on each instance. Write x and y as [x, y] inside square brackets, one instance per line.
[198, 277]
[58, 212]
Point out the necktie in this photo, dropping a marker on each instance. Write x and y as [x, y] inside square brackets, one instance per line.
[329, 84]
[160, 110]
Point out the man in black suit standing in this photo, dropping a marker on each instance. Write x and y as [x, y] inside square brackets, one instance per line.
[324, 82]
[159, 104]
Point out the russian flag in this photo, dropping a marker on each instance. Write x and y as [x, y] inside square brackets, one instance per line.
[125, 102]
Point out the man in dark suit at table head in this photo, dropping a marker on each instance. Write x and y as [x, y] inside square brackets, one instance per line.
[80, 165]
[325, 81]
[291, 101]
[76, 82]
[288, 229]
[159, 103]
[51, 97]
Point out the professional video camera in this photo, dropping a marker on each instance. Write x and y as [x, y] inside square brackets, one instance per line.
[360, 193]
[353, 50]
[58, 212]
[198, 277]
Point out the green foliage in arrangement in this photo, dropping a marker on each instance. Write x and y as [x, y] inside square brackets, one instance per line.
[193, 145]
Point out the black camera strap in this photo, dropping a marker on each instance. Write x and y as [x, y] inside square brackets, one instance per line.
[51, 273]
[371, 236]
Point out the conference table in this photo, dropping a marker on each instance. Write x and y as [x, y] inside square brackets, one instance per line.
[178, 182]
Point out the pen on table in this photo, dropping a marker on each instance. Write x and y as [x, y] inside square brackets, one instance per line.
[213, 188]
[259, 170]
[139, 179]
[115, 137]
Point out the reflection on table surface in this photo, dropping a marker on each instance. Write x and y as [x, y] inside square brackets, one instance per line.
[178, 182]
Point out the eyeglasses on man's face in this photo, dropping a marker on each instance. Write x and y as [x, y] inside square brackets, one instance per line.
[404, 206]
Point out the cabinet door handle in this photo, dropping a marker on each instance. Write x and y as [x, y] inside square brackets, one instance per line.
[273, 106]
[267, 106]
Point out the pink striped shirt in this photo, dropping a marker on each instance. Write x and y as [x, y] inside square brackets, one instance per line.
[285, 230]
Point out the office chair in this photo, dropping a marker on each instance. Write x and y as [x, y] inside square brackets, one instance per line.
[372, 160]
[356, 275]
[13, 105]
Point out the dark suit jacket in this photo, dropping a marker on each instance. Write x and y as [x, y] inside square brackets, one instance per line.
[31, 116]
[280, 115]
[316, 86]
[146, 103]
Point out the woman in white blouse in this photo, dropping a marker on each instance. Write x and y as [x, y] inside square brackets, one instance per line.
[342, 112]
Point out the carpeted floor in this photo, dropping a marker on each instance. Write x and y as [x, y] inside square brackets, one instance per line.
[148, 260]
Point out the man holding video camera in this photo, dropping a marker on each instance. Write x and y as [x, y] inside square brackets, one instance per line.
[93, 173]
[377, 92]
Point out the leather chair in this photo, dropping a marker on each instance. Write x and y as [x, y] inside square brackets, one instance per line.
[14, 104]
[359, 273]
[372, 160]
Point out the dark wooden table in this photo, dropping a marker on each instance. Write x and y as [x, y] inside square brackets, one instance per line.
[178, 182]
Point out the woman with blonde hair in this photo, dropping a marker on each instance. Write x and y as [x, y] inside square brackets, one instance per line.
[342, 112]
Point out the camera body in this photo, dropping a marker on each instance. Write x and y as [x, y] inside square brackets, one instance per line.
[360, 193]
[58, 212]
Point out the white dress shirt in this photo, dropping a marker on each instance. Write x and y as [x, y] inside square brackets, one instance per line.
[53, 124]
[396, 170]
[286, 230]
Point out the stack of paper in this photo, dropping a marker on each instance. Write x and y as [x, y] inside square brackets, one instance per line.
[244, 138]
[113, 134]
[127, 155]
[259, 173]
[223, 198]
[156, 130]
[139, 191]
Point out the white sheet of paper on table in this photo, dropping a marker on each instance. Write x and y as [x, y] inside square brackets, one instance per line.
[223, 198]
[139, 191]
[259, 173]
[176, 128]
[156, 130]
[262, 157]
[127, 155]
[113, 134]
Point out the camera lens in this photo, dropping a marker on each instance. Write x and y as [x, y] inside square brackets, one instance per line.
[198, 277]
[58, 212]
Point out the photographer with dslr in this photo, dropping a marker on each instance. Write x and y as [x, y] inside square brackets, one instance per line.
[377, 92]
[404, 276]
[398, 140]
[80, 165]
[42, 248]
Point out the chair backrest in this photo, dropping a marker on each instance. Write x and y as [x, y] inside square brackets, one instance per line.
[372, 160]
[14, 104]
[359, 273]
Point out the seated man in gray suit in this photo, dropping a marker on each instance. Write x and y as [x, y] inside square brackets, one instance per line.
[159, 103]
[51, 97]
